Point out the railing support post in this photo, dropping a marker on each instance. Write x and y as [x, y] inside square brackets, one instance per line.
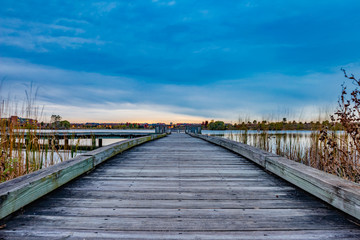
[66, 144]
[93, 142]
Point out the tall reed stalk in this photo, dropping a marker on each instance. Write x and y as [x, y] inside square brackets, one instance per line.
[312, 150]
[327, 149]
[21, 150]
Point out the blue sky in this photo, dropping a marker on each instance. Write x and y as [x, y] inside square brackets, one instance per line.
[168, 60]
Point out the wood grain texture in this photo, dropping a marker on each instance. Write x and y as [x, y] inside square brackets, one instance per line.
[179, 187]
[340, 193]
[19, 192]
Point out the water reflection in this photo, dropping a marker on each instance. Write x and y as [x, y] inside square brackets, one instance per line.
[278, 142]
[48, 156]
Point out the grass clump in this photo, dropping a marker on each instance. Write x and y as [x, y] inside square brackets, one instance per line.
[22, 149]
[325, 148]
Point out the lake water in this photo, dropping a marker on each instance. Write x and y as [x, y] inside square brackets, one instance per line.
[272, 141]
[52, 157]
[88, 142]
[99, 130]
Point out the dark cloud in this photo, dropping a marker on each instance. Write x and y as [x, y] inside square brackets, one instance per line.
[190, 44]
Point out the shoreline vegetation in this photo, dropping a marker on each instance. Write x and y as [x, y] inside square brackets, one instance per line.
[21, 151]
[334, 145]
[266, 125]
[330, 151]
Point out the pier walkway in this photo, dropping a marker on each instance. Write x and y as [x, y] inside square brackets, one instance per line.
[179, 187]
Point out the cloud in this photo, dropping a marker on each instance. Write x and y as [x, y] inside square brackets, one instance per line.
[228, 99]
[185, 58]
[41, 37]
[105, 7]
[120, 113]
[181, 44]
[164, 2]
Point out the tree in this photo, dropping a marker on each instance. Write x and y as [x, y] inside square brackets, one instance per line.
[65, 124]
[218, 125]
[55, 118]
[56, 122]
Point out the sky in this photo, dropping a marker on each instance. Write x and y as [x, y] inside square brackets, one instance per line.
[177, 61]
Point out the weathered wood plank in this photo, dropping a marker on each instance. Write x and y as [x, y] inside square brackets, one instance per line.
[245, 184]
[184, 204]
[93, 178]
[175, 195]
[343, 234]
[200, 194]
[240, 214]
[178, 223]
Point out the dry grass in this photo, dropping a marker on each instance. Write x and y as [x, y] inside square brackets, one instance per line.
[21, 150]
[333, 152]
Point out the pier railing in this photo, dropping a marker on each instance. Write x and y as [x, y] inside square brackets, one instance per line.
[338, 192]
[17, 193]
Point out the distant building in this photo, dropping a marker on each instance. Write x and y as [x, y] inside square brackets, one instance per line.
[22, 121]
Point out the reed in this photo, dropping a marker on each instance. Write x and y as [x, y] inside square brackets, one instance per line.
[316, 150]
[21, 151]
[327, 148]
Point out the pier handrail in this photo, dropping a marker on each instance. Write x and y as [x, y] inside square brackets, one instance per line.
[88, 134]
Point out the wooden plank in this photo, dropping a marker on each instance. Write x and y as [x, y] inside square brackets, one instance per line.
[343, 234]
[181, 194]
[184, 204]
[177, 223]
[96, 178]
[243, 184]
[180, 187]
[88, 134]
[240, 214]
[175, 195]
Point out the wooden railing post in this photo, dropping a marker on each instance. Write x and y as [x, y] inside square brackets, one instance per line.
[93, 141]
[66, 143]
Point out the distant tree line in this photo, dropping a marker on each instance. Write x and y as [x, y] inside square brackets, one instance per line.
[274, 126]
[56, 122]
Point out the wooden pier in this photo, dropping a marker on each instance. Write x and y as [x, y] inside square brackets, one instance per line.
[85, 134]
[95, 136]
[179, 187]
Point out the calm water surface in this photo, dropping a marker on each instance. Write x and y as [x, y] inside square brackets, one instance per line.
[274, 139]
[50, 157]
